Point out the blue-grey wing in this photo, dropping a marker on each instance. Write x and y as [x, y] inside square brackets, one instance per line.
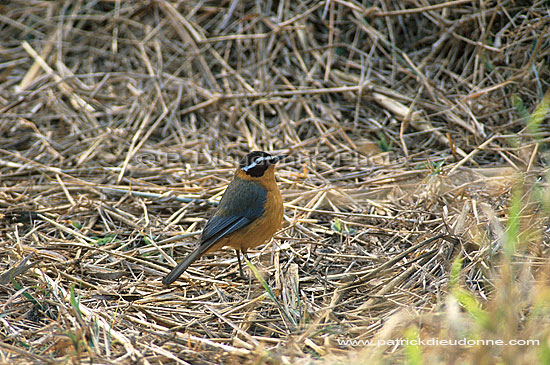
[242, 202]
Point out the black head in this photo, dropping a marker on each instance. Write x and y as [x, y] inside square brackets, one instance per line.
[255, 163]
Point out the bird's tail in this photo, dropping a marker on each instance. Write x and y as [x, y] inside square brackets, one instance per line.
[182, 266]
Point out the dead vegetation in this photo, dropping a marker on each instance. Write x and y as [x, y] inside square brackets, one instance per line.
[408, 125]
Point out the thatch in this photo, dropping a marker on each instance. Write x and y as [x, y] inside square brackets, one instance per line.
[407, 125]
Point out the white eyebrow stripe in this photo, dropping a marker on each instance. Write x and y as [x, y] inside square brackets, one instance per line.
[257, 161]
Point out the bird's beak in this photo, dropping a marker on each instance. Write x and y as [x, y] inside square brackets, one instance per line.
[278, 158]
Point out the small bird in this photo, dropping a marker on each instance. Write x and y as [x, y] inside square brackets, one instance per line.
[249, 213]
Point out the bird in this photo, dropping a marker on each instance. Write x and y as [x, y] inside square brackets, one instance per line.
[249, 213]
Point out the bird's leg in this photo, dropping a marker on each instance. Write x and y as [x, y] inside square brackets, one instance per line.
[243, 252]
[239, 260]
[245, 255]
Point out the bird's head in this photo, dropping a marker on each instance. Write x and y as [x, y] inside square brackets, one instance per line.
[256, 163]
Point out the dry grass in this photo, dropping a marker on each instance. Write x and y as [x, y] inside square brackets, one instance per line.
[408, 125]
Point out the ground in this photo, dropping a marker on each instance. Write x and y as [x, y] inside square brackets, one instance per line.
[416, 194]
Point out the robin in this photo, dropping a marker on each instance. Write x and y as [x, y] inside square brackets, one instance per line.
[249, 213]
